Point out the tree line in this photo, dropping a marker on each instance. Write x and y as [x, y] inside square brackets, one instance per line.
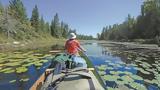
[146, 26]
[15, 24]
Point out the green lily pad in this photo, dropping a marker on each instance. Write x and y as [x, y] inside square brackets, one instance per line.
[102, 67]
[137, 86]
[44, 61]
[110, 88]
[145, 72]
[6, 69]
[148, 81]
[111, 64]
[38, 64]
[136, 77]
[114, 72]
[1, 65]
[12, 81]
[24, 79]
[27, 65]
[127, 78]
[38, 67]
[17, 52]
[21, 69]
[12, 64]
[109, 68]
[110, 77]
[132, 64]
[9, 71]
[101, 73]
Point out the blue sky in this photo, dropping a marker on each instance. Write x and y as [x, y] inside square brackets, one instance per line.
[86, 16]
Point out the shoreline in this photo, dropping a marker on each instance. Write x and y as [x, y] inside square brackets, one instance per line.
[30, 45]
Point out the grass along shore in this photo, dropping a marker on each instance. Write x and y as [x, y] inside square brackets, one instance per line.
[30, 45]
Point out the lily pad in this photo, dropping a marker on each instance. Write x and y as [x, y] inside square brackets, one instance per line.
[21, 69]
[114, 72]
[6, 69]
[44, 61]
[12, 64]
[102, 67]
[101, 73]
[127, 78]
[1, 65]
[137, 86]
[111, 77]
[109, 68]
[145, 72]
[24, 79]
[27, 65]
[12, 81]
[148, 81]
[38, 64]
[9, 71]
[136, 77]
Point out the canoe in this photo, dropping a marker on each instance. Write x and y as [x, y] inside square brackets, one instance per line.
[56, 77]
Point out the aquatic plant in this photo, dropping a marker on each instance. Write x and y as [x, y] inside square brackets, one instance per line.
[136, 77]
[12, 81]
[24, 79]
[13, 64]
[102, 67]
[28, 64]
[127, 78]
[109, 68]
[21, 69]
[110, 88]
[9, 71]
[111, 77]
[114, 72]
[5, 69]
[38, 64]
[137, 86]
[44, 61]
[101, 73]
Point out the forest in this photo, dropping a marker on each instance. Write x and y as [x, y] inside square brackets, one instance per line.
[144, 29]
[15, 25]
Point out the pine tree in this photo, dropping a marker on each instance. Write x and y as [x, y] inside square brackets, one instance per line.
[66, 30]
[1, 8]
[18, 10]
[47, 28]
[55, 27]
[42, 25]
[35, 18]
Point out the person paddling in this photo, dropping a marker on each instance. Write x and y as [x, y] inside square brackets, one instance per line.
[72, 47]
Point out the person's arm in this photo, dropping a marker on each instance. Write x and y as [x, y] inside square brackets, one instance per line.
[80, 47]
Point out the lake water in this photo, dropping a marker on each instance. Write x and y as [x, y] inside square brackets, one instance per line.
[119, 71]
[19, 70]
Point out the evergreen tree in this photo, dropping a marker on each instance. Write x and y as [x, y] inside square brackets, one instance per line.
[55, 27]
[47, 28]
[18, 10]
[42, 25]
[1, 8]
[35, 18]
[66, 31]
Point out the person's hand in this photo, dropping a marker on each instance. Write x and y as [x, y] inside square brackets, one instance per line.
[84, 50]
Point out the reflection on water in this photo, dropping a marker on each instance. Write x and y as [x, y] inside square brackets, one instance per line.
[140, 73]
